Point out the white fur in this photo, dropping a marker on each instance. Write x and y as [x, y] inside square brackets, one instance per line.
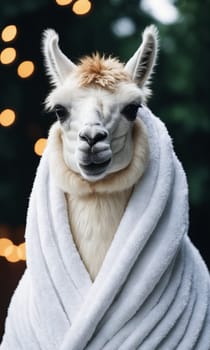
[89, 107]
[97, 199]
[95, 209]
[141, 64]
[57, 64]
[94, 220]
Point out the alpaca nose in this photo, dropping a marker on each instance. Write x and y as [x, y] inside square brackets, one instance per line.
[92, 139]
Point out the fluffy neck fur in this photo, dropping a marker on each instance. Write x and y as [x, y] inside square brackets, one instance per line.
[92, 205]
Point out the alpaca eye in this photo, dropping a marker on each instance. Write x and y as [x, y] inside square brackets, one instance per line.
[61, 113]
[130, 111]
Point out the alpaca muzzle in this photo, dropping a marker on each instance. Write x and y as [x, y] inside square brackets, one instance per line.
[94, 152]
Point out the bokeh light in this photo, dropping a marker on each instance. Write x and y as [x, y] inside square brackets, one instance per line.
[4, 244]
[123, 26]
[21, 251]
[162, 10]
[40, 146]
[25, 69]
[7, 117]
[9, 33]
[63, 2]
[8, 55]
[11, 254]
[81, 7]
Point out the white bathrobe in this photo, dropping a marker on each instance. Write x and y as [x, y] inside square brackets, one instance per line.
[153, 290]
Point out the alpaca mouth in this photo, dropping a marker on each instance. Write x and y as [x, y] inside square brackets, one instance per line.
[94, 169]
[93, 161]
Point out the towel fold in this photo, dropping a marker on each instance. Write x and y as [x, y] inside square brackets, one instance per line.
[153, 290]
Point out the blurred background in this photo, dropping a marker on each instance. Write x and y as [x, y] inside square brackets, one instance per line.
[180, 85]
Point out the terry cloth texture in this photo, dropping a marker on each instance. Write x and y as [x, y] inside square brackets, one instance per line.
[153, 290]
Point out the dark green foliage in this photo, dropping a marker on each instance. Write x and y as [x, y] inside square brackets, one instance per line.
[181, 100]
[181, 89]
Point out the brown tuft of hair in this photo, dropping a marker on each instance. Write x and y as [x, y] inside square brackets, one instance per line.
[99, 71]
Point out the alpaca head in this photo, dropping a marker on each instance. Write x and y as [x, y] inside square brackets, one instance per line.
[96, 103]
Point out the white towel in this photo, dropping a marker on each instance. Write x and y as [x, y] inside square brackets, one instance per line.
[153, 290]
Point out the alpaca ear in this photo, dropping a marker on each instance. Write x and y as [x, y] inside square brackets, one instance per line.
[141, 64]
[57, 64]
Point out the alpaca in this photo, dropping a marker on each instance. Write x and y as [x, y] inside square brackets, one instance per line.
[109, 262]
[98, 148]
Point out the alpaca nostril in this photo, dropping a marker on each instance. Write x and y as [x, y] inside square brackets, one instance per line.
[100, 136]
[86, 138]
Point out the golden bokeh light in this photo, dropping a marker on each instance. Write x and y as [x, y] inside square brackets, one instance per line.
[7, 117]
[4, 244]
[11, 254]
[9, 33]
[21, 251]
[25, 69]
[40, 146]
[81, 7]
[8, 55]
[63, 2]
